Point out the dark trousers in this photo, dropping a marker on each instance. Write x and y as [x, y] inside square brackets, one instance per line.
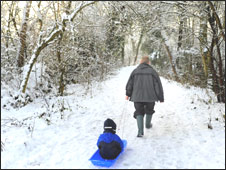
[143, 108]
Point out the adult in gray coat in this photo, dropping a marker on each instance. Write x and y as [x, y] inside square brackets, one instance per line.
[144, 88]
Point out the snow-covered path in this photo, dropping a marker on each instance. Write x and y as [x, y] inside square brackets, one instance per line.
[179, 137]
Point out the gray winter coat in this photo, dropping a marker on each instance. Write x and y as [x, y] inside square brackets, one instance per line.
[144, 85]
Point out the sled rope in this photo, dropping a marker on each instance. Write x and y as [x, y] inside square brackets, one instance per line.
[122, 119]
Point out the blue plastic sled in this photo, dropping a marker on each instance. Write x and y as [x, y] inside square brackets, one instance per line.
[97, 160]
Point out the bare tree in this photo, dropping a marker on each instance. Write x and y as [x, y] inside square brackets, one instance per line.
[44, 42]
[23, 35]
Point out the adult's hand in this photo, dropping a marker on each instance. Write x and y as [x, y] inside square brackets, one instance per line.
[127, 97]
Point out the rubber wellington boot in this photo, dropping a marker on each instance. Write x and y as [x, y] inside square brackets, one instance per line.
[148, 124]
[140, 125]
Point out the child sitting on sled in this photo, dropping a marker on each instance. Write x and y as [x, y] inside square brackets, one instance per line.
[110, 145]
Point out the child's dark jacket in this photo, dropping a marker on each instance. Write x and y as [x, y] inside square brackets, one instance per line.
[110, 145]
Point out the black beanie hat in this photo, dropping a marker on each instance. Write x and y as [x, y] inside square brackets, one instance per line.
[109, 125]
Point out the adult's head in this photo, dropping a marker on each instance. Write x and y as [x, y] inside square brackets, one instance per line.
[145, 59]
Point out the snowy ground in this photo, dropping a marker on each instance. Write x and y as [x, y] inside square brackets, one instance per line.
[180, 137]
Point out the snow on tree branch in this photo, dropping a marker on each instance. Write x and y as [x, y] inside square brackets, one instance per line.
[56, 31]
[76, 11]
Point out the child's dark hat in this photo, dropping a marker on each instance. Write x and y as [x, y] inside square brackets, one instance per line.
[109, 124]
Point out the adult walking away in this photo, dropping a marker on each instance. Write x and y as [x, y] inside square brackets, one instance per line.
[144, 88]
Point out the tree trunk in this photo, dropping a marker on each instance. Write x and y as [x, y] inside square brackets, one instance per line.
[212, 69]
[61, 64]
[217, 19]
[39, 16]
[171, 60]
[14, 20]
[123, 50]
[31, 63]
[218, 82]
[203, 39]
[221, 76]
[138, 46]
[8, 31]
[180, 37]
[192, 44]
[23, 35]
[133, 50]
[61, 67]
[193, 32]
